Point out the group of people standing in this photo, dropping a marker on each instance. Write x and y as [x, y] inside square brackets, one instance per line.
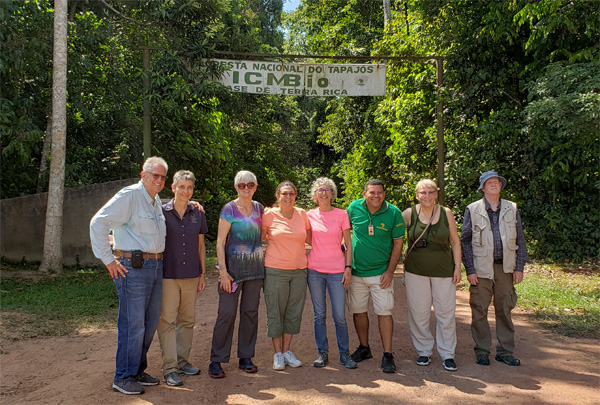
[158, 264]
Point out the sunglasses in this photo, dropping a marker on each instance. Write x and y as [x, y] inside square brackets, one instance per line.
[158, 176]
[250, 185]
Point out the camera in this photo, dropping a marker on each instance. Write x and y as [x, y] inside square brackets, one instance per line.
[421, 243]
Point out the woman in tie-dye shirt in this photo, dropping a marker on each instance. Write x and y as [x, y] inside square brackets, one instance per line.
[241, 270]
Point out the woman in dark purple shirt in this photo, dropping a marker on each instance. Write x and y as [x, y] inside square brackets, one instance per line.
[183, 278]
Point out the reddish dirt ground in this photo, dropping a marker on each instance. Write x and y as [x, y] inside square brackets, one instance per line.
[78, 369]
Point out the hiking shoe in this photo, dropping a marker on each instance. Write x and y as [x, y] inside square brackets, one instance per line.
[449, 364]
[291, 360]
[173, 379]
[146, 379]
[346, 361]
[322, 360]
[387, 363]
[362, 353]
[188, 369]
[483, 359]
[128, 386]
[508, 359]
[278, 361]
[215, 370]
[247, 365]
[423, 361]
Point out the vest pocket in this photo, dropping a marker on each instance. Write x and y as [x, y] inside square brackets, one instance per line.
[477, 237]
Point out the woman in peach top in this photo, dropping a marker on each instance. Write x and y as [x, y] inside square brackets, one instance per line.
[286, 228]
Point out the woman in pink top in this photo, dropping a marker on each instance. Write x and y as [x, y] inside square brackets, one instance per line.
[329, 269]
[286, 228]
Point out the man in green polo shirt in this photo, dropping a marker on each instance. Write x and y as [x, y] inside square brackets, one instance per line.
[377, 235]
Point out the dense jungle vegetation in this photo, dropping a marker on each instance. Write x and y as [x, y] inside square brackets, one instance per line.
[521, 96]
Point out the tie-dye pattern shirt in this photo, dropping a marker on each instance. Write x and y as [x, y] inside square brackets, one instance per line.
[244, 255]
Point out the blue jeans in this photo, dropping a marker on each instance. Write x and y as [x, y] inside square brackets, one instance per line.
[140, 294]
[318, 284]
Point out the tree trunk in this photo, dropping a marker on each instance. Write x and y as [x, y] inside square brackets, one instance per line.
[387, 17]
[52, 256]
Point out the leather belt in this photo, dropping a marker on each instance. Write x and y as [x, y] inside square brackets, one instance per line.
[127, 254]
[498, 261]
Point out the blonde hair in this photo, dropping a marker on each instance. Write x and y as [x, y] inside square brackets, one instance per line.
[426, 183]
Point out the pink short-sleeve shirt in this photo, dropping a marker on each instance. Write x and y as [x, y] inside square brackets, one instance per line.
[326, 255]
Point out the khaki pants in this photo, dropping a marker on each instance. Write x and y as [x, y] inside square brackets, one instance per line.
[505, 299]
[421, 293]
[177, 318]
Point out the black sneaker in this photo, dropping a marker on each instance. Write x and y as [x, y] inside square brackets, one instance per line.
[146, 379]
[362, 353]
[449, 364]
[483, 359]
[129, 386]
[508, 359]
[247, 365]
[215, 370]
[423, 361]
[387, 363]
[321, 360]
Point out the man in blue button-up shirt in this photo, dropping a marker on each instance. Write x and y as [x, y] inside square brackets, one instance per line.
[135, 216]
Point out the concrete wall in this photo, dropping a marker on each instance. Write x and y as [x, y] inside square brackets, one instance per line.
[22, 222]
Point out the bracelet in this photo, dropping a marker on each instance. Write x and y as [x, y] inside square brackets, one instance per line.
[348, 266]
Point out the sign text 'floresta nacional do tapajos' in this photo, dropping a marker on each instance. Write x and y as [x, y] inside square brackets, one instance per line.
[302, 79]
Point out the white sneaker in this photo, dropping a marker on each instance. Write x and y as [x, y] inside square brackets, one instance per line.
[278, 361]
[291, 360]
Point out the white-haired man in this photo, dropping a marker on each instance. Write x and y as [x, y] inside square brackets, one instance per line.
[136, 218]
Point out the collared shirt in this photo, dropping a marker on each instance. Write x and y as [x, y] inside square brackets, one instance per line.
[137, 222]
[467, 248]
[371, 253]
[181, 258]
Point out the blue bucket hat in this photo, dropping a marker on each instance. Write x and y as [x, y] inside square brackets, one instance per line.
[488, 175]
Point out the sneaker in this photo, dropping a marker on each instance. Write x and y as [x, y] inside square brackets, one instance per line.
[188, 369]
[346, 361]
[322, 360]
[248, 366]
[128, 386]
[291, 360]
[146, 379]
[387, 363]
[508, 359]
[449, 364]
[278, 361]
[362, 353]
[423, 361]
[173, 379]
[215, 370]
[483, 359]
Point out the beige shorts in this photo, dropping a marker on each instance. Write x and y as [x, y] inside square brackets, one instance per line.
[363, 288]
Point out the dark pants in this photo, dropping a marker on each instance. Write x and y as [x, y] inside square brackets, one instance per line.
[249, 291]
[505, 299]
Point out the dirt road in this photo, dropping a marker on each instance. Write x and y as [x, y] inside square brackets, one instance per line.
[79, 369]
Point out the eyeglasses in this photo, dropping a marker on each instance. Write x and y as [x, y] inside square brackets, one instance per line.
[250, 185]
[287, 194]
[157, 176]
[324, 190]
[426, 193]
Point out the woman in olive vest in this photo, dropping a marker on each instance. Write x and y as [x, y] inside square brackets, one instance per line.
[432, 269]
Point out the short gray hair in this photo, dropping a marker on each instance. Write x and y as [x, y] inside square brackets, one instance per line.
[183, 175]
[323, 181]
[244, 175]
[155, 161]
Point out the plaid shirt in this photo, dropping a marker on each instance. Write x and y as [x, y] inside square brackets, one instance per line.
[494, 216]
